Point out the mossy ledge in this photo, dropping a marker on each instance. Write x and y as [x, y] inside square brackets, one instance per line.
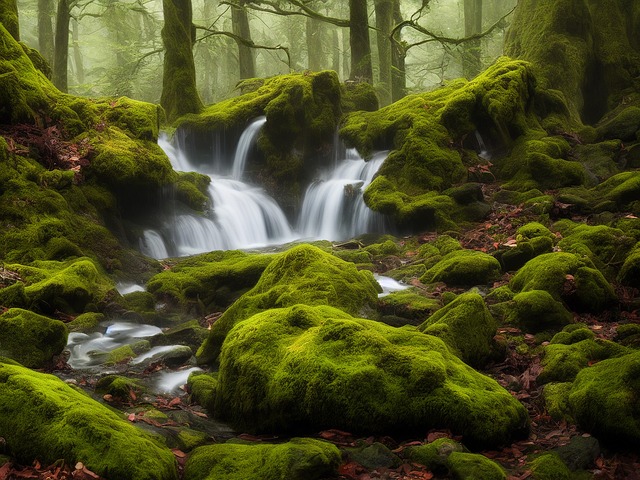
[42, 418]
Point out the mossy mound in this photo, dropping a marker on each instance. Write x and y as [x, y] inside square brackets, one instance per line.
[120, 388]
[423, 130]
[630, 271]
[536, 311]
[74, 286]
[297, 459]
[464, 268]
[532, 239]
[568, 278]
[302, 275]
[307, 368]
[86, 321]
[572, 350]
[29, 338]
[43, 419]
[465, 325]
[550, 467]
[603, 400]
[409, 305]
[208, 282]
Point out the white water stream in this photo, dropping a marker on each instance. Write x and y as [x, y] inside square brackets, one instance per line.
[243, 216]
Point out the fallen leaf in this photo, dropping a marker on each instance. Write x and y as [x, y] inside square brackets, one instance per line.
[178, 453]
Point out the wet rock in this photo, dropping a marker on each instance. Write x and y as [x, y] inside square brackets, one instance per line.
[374, 456]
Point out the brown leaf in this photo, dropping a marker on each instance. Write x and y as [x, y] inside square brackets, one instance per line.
[178, 453]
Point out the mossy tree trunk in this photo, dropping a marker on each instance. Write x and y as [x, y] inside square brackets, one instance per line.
[335, 44]
[45, 29]
[398, 56]
[9, 17]
[241, 28]
[384, 23]
[179, 93]
[361, 69]
[472, 50]
[315, 53]
[61, 55]
[77, 54]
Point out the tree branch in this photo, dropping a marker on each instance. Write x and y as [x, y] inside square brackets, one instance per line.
[305, 11]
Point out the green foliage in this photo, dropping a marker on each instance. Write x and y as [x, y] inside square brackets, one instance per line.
[307, 368]
[302, 275]
[297, 459]
[29, 338]
[44, 419]
[466, 326]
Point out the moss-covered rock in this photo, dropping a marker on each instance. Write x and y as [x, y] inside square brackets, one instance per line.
[464, 268]
[536, 311]
[86, 321]
[297, 459]
[302, 275]
[29, 338]
[120, 388]
[566, 277]
[307, 368]
[434, 455]
[532, 239]
[465, 325]
[469, 466]
[408, 305]
[550, 467]
[603, 400]
[43, 418]
[630, 272]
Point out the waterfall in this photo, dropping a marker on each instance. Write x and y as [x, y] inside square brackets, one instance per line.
[243, 216]
[333, 207]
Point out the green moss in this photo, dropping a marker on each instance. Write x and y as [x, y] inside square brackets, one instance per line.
[191, 189]
[464, 267]
[469, 466]
[536, 311]
[43, 418]
[140, 119]
[556, 398]
[211, 281]
[126, 352]
[297, 459]
[118, 387]
[550, 467]
[603, 400]
[467, 327]
[307, 368]
[86, 321]
[568, 278]
[304, 274]
[408, 305]
[29, 338]
[188, 333]
[621, 124]
[203, 388]
[434, 455]
[600, 159]
[358, 96]
[628, 335]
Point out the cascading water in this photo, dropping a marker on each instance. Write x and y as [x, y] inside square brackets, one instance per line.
[333, 207]
[244, 216]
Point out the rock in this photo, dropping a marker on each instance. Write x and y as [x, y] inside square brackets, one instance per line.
[29, 338]
[44, 419]
[374, 456]
[464, 268]
[536, 311]
[170, 355]
[550, 466]
[313, 368]
[297, 459]
[580, 453]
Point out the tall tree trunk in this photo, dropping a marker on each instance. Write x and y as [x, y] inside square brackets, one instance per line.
[361, 69]
[179, 93]
[346, 59]
[315, 54]
[398, 56]
[9, 17]
[472, 50]
[384, 23]
[335, 47]
[45, 29]
[77, 54]
[61, 54]
[241, 28]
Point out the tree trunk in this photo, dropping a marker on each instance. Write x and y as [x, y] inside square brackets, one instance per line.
[45, 29]
[335, 47]
[179, 93]
[398, 56]
[77, 54]
[9, 17]
[361, 69]
[61, 54]
[315, 54]
[472, 50]
[384, 23]
[241, 28]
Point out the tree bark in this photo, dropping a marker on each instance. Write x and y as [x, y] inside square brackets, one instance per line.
[241, 28]
[472, 50]
[315, 54]
[45, 29]
[61, 54]
[361, 69]
[384, 23]
[398, 56]
[77, 54]
[9, 17]
[179, 93]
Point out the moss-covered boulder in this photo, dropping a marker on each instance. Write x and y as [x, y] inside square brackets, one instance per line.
[464, 268]
[630, 272]
[536, 311]
[297, 459]
[29, 338]
[567, 277]
[549, 466]
[603, 400]
[42, 418]
[465, 325]
[74, 286]
[406, 306]
[208, 282]
[532, 239]
[302, 275]
[306, 368]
